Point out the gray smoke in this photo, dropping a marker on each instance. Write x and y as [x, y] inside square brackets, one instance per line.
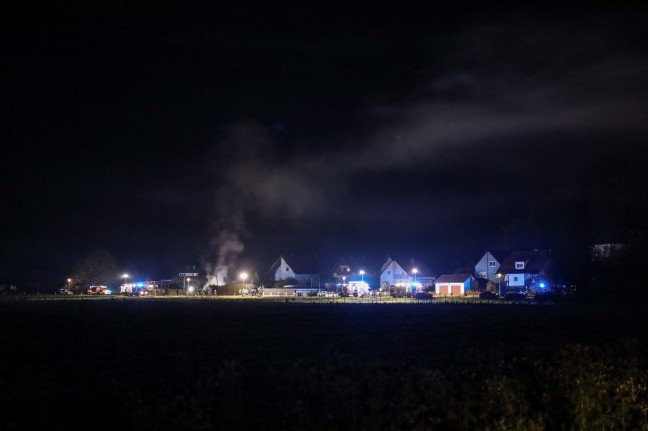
[240, 173]
[484, 93]
[228, 246]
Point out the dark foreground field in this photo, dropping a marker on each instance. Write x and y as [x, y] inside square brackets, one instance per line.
[183, 364]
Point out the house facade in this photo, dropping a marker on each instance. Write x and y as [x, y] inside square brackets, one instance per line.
[303, 269]
[488, 266]
[455, 285]
[527, 269]
[391, 273]
[409, 273]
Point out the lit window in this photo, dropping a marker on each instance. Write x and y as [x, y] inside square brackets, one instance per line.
[491, 263]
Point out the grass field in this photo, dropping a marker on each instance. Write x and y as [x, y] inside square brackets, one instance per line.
[153, 363]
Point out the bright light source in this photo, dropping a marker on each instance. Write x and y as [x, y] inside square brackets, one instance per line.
[125, 276]
[415, 271]
[362, 272]
[108, 291]
[190, 289]
[69, 280]
[542, 285]
[358, 287]
[188, 278]
[243, 276]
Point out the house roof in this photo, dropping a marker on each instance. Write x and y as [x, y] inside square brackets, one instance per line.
[535, 261]
[453, 278]
[407, 263]
[499, 255]
[300, 264]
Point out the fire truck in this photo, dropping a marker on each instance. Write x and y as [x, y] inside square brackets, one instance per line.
[98, 290]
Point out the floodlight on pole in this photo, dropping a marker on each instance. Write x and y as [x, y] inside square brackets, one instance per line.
[362, 274]
[415, 271]
[244, 276]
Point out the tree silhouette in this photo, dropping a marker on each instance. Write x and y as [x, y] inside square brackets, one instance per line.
[97, 268]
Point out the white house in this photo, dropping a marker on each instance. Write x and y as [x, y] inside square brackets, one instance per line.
[455, 284]
[525, 269]
[488, 266]
[408, 273]
[391, 273]
[303, 269]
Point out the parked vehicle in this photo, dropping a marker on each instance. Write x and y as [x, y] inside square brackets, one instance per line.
[64, 292]
[97, 290]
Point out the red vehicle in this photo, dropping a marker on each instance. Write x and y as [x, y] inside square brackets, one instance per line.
[97, 290]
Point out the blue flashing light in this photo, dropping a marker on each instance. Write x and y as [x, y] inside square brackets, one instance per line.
[140, 285]
[542, 285]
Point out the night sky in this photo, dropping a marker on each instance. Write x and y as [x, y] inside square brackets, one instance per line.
[175, 135]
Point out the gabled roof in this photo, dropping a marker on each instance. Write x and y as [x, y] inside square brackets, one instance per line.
[408, 263]
[301, 264]
[499, 255]
[535, 261]
[453, 278]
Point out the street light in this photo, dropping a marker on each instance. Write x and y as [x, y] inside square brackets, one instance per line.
[244, 276]
[362, 274]
[414, 270]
